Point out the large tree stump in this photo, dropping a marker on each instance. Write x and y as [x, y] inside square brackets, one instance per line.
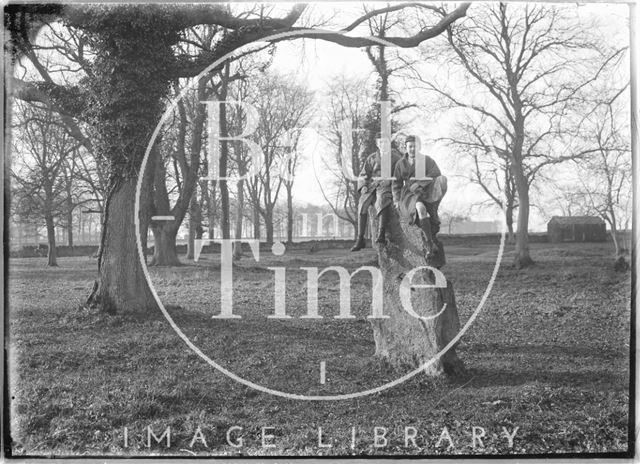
[403, 340]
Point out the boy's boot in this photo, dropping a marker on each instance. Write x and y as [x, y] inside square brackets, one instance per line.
[362, 227]
[383, 220]
[435, 253]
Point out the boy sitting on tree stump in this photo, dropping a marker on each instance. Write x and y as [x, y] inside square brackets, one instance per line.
[418, 195]
[375, 190]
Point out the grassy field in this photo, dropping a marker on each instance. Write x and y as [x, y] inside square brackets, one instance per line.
[548, 354]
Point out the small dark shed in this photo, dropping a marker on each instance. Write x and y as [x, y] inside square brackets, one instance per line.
[576, 229]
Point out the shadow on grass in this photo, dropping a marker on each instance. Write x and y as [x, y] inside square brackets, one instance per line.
[554, 350]
[568, 378]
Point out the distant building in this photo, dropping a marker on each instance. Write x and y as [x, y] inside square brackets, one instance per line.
[576, 229]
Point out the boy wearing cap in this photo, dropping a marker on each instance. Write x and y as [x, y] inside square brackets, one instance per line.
[417, 197]
[374, 191]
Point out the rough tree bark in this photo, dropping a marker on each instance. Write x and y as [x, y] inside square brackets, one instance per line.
[403, 340]
[164, 232]
[164, 244]
[212, 203]
[69, 220]
[522, 257]
[225, 217]
[121, 285]
[289, 212]
[99, 232]
[268, 223]
[510, 197]
[51, 242]
[125, 102]
[146, 199]
[195, 224]
[511, 237]
[237, 247]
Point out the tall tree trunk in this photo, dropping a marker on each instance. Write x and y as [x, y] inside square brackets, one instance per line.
[51, 241]
[164, 244]
[510, 196]
[511, 238]
[616, 244]
[191, 237]
[383, 73]
[99, 232]
[620, 263]
[268, 223]
[69, 223]
[237, 249]
[289, 214]
[211, 208]
[522, 257]
[402, 340]
[127, 100]
[224, 157]
[121, 284]
[146, 198]
[256, 223]
[164, 232]
[202, 204]
[225, 226]
[81, 224]
[195, 224]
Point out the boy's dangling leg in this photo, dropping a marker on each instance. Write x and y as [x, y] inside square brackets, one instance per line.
[438, 190]
[384, 203]
[367, 198]
[424, 222]
[362, 228]
[435, 256]
[383, 218]
[432, 210]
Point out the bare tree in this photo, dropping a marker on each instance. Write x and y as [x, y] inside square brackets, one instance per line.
[489, 170]
[289, 167]
[249, 69]
[525, 68]
[348, 100]
[186, 152]
[182, 151]
[450, 218]
[42, 151]
[604, 180]
[77, 192]
[92, 174]
[241, 157]
[283, 108]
